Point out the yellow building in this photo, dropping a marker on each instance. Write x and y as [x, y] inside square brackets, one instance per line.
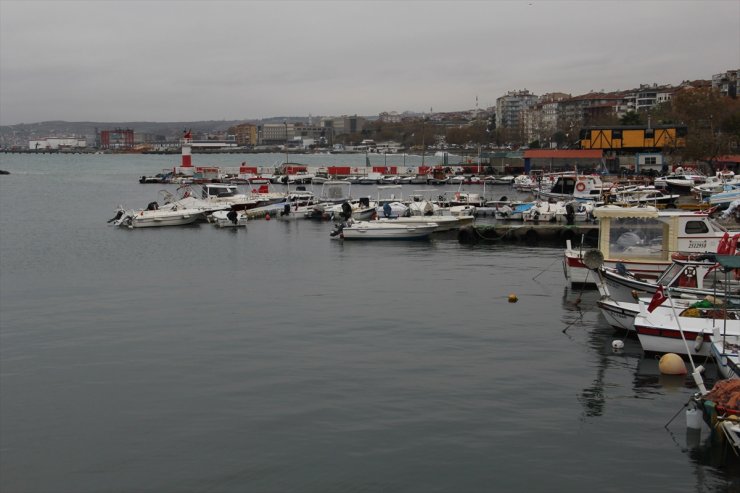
[246, 134]
[633, 138]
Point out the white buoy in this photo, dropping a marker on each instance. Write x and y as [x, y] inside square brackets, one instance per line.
[698, 342]
[617, 344]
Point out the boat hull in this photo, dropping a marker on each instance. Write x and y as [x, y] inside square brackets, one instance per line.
[162, 219]
[372, 231]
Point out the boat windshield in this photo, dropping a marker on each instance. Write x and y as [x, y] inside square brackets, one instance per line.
[669, 274]
[638, 237]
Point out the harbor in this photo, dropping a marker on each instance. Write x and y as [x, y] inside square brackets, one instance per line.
[353, 354]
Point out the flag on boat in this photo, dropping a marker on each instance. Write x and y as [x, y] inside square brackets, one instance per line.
[724, 244]
[658, 298]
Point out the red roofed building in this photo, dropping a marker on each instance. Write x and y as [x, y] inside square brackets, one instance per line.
[562, 159]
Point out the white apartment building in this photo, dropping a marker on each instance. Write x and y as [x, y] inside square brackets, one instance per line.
[510, 106]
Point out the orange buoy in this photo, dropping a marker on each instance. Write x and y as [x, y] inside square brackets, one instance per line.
[672, 364]
[513, 298]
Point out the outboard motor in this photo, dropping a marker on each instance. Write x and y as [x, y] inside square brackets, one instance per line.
[286, 210]
[232, 216]
[346, 210]
[622, 269]
[118, 216]
[570, 214]
[337, 230]
[387, 210]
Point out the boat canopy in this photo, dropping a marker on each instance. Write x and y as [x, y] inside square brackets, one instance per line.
[729, 261]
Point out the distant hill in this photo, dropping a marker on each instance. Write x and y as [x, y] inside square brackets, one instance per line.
[20, 134]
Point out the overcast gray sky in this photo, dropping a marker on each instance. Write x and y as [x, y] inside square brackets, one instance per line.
[120, 61]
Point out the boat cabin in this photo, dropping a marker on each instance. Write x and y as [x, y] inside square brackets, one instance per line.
[584, 187]
[652, 235]
[218, 190]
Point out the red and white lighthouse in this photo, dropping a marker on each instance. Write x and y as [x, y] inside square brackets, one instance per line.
[187, 141]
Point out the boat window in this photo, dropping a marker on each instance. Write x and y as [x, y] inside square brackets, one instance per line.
[637, 237]
[669, 274]
[696, 227]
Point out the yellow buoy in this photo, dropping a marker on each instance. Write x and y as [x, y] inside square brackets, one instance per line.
[672, 364]
[513, 298]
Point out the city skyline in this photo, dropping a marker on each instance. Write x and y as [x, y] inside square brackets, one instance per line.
[246, 60]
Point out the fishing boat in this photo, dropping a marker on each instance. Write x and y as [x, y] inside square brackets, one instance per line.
[511, 211]
[154, 217]
[665, 326]
[641, 195]
[682, 179]
[444, 223]
[643, 240]
[696, 277]
[730, 193]
[229, 219]
[573, 186]
[620, 312]
[382, 230]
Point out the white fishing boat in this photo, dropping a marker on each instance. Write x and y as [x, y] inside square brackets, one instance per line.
[511, 211]
[574, 186]
[695, 277]
[681, 179]
[665, 326]
[229, 219]
[620, 312]
[714, 184]
[150, 218]
[641, 195]
[725, 349]
[725, 346]
[444, 223]
[729, 194]
[643, 239]
[382, 230]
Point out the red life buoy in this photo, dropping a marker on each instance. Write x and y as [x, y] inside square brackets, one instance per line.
[580, 186]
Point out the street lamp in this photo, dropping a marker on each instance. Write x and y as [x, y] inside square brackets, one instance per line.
[285, 122]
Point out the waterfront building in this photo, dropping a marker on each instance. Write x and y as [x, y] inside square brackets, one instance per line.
[245, 134]
[57, 143]
[275, 133]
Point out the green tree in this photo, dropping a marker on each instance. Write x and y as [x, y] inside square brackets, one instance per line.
[560, 138]
[711, 120]
[631, 118]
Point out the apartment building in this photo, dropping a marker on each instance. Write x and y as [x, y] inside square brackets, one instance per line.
[726, 82]
[509, 108]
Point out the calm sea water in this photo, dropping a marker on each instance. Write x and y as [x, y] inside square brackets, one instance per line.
[274, 359]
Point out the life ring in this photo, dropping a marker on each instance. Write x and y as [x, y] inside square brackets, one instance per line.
[580, 186]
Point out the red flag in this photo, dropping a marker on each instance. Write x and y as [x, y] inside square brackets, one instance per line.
[724, 244]
[658, 298]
